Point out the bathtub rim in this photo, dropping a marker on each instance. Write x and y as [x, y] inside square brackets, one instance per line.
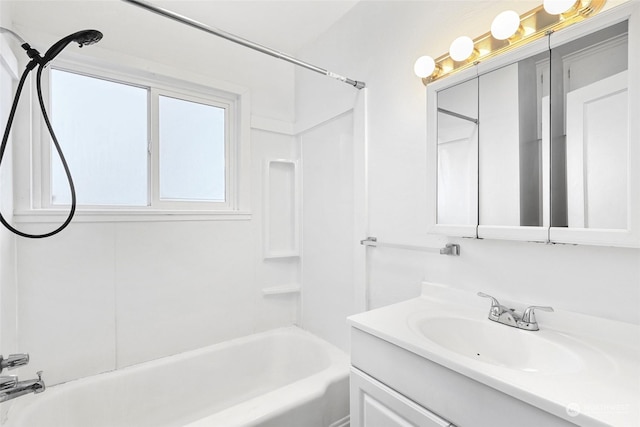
[16, 412]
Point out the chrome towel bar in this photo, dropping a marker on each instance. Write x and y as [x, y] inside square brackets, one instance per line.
[449, 249]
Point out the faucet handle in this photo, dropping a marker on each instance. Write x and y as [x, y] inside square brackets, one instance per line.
[494, 302]
[497, 309]
[14, 361]
[529, 314]
[528, 320]
[9, 382]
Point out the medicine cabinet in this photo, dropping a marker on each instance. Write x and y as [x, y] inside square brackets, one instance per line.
[543, 143]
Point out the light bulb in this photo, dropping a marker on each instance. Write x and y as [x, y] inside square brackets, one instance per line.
[461, 48]
[424, 66]
[556, 7]
[505, 25]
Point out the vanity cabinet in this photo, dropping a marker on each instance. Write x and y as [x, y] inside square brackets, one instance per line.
[391, 386]
[542, 143]
[376, 405]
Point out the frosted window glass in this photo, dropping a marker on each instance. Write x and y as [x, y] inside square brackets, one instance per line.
[192, 151]
[102, 129]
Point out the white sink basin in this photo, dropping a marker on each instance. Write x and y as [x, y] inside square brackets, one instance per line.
[544, 352]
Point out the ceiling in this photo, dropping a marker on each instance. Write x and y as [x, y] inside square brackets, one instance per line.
[284, 25]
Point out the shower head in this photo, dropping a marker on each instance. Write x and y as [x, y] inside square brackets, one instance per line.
[83, 38]
[87, 37]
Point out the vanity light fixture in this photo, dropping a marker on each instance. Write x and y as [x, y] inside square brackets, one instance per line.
[508, 31]
[506, 25]
[424, 66]
[461, 48]
[557, 7]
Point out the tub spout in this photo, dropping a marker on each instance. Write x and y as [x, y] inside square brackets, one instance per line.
[20, 388]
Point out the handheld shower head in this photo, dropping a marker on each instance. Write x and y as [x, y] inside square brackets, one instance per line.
[83, 38]
[87, 37]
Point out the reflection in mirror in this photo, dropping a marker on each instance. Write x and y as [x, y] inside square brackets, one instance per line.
[589, 131]
[513, 143]
[458, 154]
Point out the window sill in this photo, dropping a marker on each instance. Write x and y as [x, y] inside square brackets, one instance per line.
[128, 215]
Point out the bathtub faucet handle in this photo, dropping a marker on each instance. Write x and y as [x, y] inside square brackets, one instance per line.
[14, 361]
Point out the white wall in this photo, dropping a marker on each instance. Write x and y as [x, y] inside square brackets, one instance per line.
[104, 295]
[378, 42]
[327, 273]
[8, 81]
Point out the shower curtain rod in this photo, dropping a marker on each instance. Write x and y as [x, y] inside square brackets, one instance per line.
[244, 42]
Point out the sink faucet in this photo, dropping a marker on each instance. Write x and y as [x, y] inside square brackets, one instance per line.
[10, 387]
[499, 313]
[507, 316]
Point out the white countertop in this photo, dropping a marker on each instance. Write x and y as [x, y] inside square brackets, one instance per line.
[603, 393]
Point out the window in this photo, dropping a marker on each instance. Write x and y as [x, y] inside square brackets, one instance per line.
[141, 144]
[192, 150]
[102, 129]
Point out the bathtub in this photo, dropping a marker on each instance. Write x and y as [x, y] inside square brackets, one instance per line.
[281, 378]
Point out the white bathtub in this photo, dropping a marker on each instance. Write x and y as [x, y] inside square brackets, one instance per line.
[281, 378]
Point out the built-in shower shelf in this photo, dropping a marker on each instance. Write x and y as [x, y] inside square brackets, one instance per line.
[281, 208]
[282, 289]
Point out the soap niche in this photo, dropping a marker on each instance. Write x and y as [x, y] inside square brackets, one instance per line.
[281, 209]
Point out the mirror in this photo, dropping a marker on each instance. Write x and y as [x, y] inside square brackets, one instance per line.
[589, 131]
[457, 153]
[543, 143]
[513, 147]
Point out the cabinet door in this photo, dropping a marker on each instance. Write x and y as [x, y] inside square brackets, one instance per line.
[375, 405]
[594, 131]
[452, 133]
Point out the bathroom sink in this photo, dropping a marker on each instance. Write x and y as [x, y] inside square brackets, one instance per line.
[544, 352]
[572, 367]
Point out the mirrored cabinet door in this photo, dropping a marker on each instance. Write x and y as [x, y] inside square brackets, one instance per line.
[457, 153]
[513, 148]
[594, 117]
[454, 112]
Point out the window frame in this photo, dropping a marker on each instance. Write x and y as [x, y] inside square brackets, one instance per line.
[235, 101]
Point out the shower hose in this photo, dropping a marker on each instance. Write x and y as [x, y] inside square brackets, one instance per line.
[40, 62]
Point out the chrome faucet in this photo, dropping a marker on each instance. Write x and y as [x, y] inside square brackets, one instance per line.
[10, 387]
[13, 361]
[507, 316]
